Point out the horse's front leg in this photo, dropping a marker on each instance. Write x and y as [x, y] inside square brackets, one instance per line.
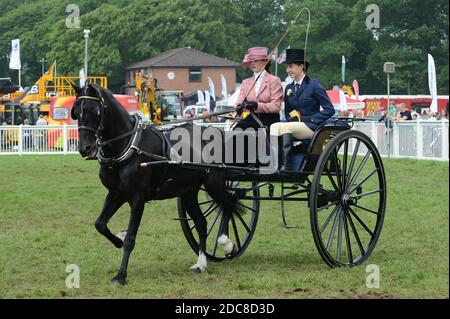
[110, 207]
[137, 208]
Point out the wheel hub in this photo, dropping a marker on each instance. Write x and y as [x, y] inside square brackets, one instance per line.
[349, 200]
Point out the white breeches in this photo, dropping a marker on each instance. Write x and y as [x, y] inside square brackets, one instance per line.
[298, 129]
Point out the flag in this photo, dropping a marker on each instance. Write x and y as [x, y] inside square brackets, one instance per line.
[343, 69]
[224, 86]
[211, 89]
[356, 88]
[14, 61]
[48, 76]
[274, 55]
[83, 80]
[38, 90]
[342, 101]
[432, 84]
[282, 57]
[207, 101]
[200, 97]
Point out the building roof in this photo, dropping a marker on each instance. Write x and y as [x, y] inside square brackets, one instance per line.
[183, 57]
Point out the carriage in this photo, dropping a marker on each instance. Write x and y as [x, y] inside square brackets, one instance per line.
[339, 173]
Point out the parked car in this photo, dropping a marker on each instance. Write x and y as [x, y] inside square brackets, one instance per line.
[194, 110]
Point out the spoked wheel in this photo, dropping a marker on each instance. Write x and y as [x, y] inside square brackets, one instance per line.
[347, 199]
[241, 227]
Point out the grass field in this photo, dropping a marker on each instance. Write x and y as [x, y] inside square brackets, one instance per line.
[48, 206]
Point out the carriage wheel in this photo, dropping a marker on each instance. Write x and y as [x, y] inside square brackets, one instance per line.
[347, 199]
[241, 227]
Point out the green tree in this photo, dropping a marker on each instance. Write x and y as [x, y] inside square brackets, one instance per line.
[126, 31]
[409, 30]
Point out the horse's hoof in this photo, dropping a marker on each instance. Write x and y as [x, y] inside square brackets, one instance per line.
[198, 269]
[118, 243]
[226, 244]
[233, 252]
[116, 281]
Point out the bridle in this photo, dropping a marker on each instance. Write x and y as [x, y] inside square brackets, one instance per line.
[101, 106]
[133, 143]
[99, 142]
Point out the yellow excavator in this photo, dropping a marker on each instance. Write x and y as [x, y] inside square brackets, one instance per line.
[158, 105]
[17, 107]
[49, 85]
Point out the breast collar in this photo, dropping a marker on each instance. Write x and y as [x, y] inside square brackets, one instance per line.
[128, 152]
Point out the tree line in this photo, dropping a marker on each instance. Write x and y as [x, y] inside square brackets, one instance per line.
[127, 31]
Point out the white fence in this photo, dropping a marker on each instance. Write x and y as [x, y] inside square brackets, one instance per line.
[27, 140]
[410, 139]
[413, 139]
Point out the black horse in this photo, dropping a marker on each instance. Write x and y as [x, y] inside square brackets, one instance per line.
[122, 142]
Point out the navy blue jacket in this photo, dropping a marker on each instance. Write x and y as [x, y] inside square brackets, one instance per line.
[308, 101]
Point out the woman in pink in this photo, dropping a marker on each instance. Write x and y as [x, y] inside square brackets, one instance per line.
[264, 96]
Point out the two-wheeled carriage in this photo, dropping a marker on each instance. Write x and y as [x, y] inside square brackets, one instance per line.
[339, 170]
[339, 174]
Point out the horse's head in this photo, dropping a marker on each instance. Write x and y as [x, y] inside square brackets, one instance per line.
[88, 109]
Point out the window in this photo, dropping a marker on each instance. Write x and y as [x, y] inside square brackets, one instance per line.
[60, 113]
[195, 74]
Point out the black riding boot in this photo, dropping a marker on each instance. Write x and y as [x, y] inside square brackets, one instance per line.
[285, 143]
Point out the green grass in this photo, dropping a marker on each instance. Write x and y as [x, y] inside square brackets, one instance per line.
[48, 206]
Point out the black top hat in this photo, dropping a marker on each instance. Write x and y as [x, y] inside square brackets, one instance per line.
[296, 56]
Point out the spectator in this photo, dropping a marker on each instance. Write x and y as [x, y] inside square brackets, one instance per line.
[26, 135]
[431, 116]
[387, 120]
[415, 116]
[344, 115]
[391, 110]
[404, 113]
[444, 115]
[39, 133]
[41, 120]
[359, 114]
[206, 119]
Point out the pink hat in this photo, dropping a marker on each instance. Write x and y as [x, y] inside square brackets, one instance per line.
[255, 54]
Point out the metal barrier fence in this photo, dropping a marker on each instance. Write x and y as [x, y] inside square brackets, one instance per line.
[412, 139]
[38, 140]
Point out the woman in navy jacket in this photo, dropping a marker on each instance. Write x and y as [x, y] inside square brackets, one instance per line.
[303, 99]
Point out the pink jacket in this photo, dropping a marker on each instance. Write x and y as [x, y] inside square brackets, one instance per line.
[270, 93]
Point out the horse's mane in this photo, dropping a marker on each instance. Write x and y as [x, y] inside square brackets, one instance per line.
[110, 100]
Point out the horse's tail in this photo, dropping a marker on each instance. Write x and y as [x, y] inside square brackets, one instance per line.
[219, 189]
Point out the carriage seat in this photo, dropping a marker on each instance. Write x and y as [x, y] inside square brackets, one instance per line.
[315, 145]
